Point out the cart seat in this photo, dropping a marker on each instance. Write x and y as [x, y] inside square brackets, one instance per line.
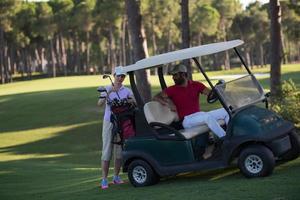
[156, 112]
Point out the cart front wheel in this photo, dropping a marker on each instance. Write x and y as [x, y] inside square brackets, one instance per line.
[256, 161]
[140, 173]
[294, 152]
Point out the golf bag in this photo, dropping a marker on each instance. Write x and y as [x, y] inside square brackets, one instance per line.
[122, 118]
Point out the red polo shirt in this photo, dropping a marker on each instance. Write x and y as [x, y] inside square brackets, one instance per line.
[186, 99]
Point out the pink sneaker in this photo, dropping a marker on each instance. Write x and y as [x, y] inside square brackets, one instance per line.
[104, 184]
[117, 180]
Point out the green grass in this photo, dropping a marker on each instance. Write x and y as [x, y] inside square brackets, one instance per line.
[50, 147]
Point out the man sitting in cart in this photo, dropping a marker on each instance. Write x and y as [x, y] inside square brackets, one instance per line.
[183, 97]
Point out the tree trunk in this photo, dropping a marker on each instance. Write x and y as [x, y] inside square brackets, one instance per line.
[138, 42]
[223, 28]
[10, 63]
[52, 57]
[129, 47]
[57, 54]
[123, 41]
[38, 59]
[247, 57]
[283, 48]
[69, 62]
[261, 55]
[23, 62]
[227, 61]
[43, 63]
[108, 59]
[199, 43]
[19, 61]
[87, 50]
[2, 56]
[62, 51]
[76, 58]
[13, 59]
[82, 64]
[185, 30]
[112, 48]
[275, 14]
[6, 64]
[29, 63]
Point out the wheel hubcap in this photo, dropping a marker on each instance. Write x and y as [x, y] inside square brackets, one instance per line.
[253, 164]
[139, 174]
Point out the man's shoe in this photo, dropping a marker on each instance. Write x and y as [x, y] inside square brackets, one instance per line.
[104, 184]
[117, 180]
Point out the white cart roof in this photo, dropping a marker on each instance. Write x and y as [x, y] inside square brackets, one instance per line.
[181, 55]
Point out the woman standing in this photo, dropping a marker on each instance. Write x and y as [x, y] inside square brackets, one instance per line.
[114, 91]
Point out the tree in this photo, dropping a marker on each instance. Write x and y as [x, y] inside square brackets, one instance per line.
[243, 26]
[61, 13]
[163, 31]
[260, 26]
[139, 44]
[291, 31]
[109, 18]
[43, 31]
[205, 19]
[82, 16]
[227, 9]
[275, 15]
[185, 32]
[24, 21]
[7, 11]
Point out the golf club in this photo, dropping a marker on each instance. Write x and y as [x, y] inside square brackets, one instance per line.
[105, 76]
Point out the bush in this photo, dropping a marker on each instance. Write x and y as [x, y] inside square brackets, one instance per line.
[288, 103]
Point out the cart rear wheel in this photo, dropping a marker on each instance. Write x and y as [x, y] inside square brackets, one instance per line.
[256, 161]
[140, 173]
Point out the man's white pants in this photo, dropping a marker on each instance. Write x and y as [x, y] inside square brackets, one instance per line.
[209, 118]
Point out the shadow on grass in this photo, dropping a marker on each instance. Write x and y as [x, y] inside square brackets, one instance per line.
[79, 145]
[50, 108]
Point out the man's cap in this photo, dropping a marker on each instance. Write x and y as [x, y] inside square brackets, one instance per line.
[118, 71]
[178, 68]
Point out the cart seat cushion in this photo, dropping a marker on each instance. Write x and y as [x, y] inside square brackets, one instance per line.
[156, 112]
[189, 133]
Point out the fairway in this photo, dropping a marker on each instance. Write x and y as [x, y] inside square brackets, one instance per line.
[50, 147]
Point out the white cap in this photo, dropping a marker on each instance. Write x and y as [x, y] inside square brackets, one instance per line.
[119, 71]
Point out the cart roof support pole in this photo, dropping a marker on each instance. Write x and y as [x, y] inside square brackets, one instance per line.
[212, 86]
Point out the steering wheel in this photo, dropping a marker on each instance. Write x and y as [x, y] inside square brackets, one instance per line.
[212, 97]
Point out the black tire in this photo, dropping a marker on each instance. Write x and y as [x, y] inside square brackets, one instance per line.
[140, 174]
[256, 161]
[294, 152]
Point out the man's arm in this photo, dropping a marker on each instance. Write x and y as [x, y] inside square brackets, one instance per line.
[163, 98]
[206, 91]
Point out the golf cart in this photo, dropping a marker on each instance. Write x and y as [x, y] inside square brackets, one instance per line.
[255, 136]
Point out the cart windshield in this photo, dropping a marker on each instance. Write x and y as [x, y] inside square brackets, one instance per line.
[241, 92]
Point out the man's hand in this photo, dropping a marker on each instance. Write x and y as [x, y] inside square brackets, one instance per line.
[171, 105]
[165, 100]
[206, 91]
